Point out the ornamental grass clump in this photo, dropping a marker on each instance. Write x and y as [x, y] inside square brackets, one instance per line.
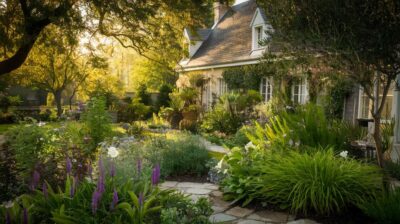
[320, 182]
[385, 209]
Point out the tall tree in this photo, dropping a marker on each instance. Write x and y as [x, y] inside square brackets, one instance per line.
[359, 36]
[54, 65]
[137, 24]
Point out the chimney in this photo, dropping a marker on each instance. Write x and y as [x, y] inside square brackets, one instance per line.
[219, 10]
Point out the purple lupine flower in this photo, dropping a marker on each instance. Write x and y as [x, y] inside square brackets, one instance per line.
[95, 201]
[100, 184]
[68, 165]
[35, 180]
[139, 167]
[45, 191]
[114, 199]
[141, 199]
[155, 175]
[8, 217]
[25, 216]
[112, 170]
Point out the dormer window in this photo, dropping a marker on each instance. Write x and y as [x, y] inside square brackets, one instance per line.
[258, 36]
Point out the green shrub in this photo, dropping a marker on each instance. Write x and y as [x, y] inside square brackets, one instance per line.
[181, 210]
[231, 111]
[385, 209]
[306, 127]
[393, 169]
[319, 182]
[186, 155]
[97, 120]
[178, 154]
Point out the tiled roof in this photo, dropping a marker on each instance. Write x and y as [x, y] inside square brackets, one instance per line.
[200, 35]
[230, 40]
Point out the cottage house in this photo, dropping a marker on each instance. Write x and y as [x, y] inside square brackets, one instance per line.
[233, 41]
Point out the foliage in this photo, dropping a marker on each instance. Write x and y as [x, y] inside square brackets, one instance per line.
[163, 96]
[177, 154]
[137, 201]
[337, 92]
[53, 65]
[239, 139]
[182, 211]
[133, 111]
[143, 26]
[316, 182]
[231, 111]
[143, 95]
[384, 209]
[393, 169]
[182, 155]
[97, 120]
[307, 126]
[245, 77]
[352, 48]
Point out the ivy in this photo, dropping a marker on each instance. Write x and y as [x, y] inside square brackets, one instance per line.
[245, 77]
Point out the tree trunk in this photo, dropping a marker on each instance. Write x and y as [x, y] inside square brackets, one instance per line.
[378, 140]
[57, 97]
[32, 33]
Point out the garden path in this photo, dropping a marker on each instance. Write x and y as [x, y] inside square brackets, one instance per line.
[213, 147]
[224, 212]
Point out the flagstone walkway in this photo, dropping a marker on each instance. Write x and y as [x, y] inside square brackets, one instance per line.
[224, 212]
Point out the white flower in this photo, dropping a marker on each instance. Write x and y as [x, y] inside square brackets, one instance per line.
[8, 204]
[219, 165]
[249, 145]
[344, 154]
[40, 124]
[112, 152]
[291, 142]
[41, 139]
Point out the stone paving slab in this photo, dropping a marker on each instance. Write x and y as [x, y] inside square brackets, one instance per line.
[239, 212]
[224, 212]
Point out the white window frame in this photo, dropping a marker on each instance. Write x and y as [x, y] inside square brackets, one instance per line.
[222, 87]
[361, 105]
[301, 96]
[266, 88]
[258, 36]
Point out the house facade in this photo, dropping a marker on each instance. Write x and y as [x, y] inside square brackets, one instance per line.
[234, 40]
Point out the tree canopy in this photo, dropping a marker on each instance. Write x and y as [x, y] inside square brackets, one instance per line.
[356, 37]
[142, 24]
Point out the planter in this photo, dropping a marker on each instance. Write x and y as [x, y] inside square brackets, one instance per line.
[175, 119]
[190, 115]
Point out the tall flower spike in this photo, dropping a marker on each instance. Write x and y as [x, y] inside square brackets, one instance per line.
[35, 180]
[112, 169]
[114, 199]
[45, 191]
[141, 199]
[95, 200]
[25, 216]
[68, 165]
[8, 217]
[155, 175]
